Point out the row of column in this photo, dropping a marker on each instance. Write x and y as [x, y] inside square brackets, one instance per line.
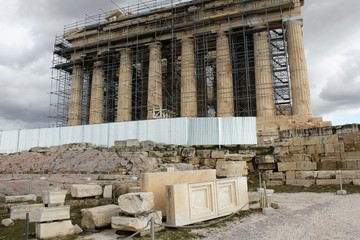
[225, 101]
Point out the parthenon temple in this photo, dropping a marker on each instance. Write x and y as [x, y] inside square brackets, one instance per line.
[201, 58]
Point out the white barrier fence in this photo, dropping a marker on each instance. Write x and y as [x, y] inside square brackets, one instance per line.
[179, 131]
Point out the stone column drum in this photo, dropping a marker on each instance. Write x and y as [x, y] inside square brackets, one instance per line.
[125, 87]
[300, 89]
[74, 114]
[97, 95]
[224, 79]
[188, 79]
[155, 79]
[265, 106]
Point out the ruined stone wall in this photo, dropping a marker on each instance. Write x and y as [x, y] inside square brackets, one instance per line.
[315, 156]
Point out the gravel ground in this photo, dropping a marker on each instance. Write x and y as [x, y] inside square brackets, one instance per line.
[300, 216]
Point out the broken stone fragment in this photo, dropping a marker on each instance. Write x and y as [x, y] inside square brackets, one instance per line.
[136, 203]
[98, 217]
[134, 224]
[7, 222]
[20, 198]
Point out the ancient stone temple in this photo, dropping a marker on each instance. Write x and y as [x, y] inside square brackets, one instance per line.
[203, 58]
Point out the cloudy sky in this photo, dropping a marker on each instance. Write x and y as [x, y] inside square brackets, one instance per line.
[28, 29]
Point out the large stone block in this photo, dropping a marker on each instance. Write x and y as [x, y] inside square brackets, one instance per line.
[233, 157]
[98, 217]
[326, 166]
[203, 153]
[306, 165]
[85, 190]
[188, 152]
[327, 182]
[48, 214]
[54, 197]
[217, 154]
[54, 229]
[329, 139]
[312, 140]
[190, 203]
[326, 174]
[134, 224]
[20, 198]
[231, 168]
[286, 166]
[19, 212]
[156, 182]
[136, 203]
[300, 182]
[132, 143]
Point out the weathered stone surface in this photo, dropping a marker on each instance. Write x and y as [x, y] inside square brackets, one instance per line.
[300, 182]
[217, 154]
[290, 175]
[156, 182]
[326, 166]
[98, 217]
[77, 229]
[233, 157]
[203, 153]
[134, 224]
[192, 160]
[107, 193]
[134, 189]
[231, 168]
[170, 153]
[132, 143]
[85, 190]
[209, 162]
[54, 197]
[176, 159]
[156, 154]
[327, 182]
[7, 222]
[188, 152]
[147, 144]
[356, 182]
[286, 166]
[54, 229]
[20, 198]
[326, 174]
[136, 203]
[264, 159]
[305, 165]
[48, 214]
[19, 212]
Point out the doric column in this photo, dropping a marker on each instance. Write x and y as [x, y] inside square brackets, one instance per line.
[155, 79]
[263, 76]
[124, 88]
[300, 89]
[97, 95]
[188, 79]
[74, 114]
[224, 79]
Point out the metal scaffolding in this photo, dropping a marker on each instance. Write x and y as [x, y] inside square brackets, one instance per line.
[76, 46]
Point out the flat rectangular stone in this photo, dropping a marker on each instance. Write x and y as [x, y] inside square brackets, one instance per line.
[231, 168]
[85, 190]
[286, 166]
[327, 182]
[233, 157]
[54, 197]
[134, 224]
[306, 165]
[20, 198]
[19, 212]
[290, 175]
[300, 182]
[351, 174]
[326, 166]
[98, 217]
[156, 182]
[48, 214]
[54, 229]
[132, 143]
[326, 174]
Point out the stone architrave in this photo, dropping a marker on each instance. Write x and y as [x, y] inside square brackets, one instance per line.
[85, 190]
[54, 197]
[126, 223]
[155, 79]
[125, 86]
[74, 114]
[97, 95]
[54, 229]
[265, 106]
[188, 79]
[20, 198]
[224, 78]
[300, 90]
[136, 203]
[98, 217]
[19, 212]
[48, 214]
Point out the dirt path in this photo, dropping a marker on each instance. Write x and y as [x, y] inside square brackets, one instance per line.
[301, 216]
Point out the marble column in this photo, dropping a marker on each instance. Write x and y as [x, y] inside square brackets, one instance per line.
[74, 113]
[125, 86]
[188, 79]
[224, 79]
[97, 95]
[265, 106]
[155, 79]
[300, 89]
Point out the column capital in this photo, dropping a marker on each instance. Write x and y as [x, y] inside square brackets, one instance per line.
[155, 45]
[124, 50]
[187, 40]
[98, 64]
[295, 21]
